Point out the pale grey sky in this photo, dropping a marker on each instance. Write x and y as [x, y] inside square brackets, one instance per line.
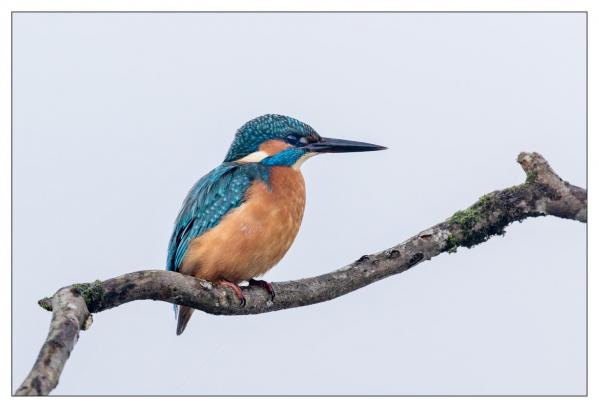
[117, 115]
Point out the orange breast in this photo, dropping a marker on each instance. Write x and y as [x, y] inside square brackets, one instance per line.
[255, 236]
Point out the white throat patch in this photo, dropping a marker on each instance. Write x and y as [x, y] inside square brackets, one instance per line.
[302, 159]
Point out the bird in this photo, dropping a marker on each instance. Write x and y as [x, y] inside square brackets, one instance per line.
[239, 220]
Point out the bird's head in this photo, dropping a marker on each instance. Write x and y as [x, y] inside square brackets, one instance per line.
[284, 141]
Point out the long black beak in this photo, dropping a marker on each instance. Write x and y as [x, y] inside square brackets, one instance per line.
[327, 145]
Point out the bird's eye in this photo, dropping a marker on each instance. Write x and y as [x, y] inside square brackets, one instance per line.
[309, 139]
[299, 140]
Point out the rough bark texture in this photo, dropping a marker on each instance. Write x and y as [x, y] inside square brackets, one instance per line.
[543, 193]
[69, 315]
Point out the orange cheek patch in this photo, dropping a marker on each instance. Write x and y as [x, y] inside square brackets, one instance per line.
[271, 147]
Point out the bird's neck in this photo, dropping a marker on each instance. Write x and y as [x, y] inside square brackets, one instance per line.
[287, 183]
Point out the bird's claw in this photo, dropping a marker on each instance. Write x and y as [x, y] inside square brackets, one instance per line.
[265, 285]
[236, 289]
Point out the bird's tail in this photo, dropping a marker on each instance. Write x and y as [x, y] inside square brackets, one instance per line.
[183, 317]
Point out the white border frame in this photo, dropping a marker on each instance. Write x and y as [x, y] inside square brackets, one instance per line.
[6, 7]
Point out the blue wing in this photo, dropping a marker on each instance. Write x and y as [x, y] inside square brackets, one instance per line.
[210, 199]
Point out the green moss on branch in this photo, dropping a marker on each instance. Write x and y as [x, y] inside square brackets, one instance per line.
[531, 176]
[92, 293]
[490, 215]
[45, 303]
[452, 244]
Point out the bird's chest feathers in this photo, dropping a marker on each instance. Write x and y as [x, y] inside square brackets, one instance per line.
[255, 236]
[271, 216]
[280, 204]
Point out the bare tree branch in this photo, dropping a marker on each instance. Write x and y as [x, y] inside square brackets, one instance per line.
[69, 316]
[543, 193]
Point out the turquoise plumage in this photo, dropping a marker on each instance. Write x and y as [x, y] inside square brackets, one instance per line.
[216, 238]
[210, 199]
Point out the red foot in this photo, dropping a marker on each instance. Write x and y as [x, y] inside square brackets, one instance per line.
[236, 289]
[265, 285]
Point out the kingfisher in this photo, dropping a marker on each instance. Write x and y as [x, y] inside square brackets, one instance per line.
[239, 220]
